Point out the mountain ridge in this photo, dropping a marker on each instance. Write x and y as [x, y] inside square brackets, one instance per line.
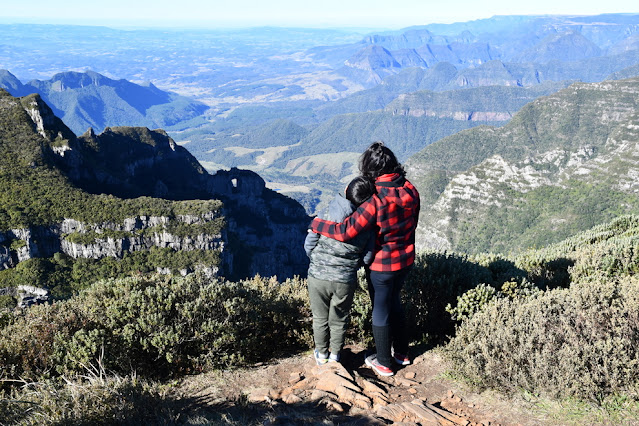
[92, 100]
[569, 147]
[44, 166]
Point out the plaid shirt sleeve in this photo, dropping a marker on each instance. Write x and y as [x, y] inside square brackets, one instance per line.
[362, 219]
[417, 200]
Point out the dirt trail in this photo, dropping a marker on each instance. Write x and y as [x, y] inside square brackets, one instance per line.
[416, 394]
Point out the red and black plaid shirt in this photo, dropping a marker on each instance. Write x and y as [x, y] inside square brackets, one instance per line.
[394, 210]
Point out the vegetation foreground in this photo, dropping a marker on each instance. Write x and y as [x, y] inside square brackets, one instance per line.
[560, 323]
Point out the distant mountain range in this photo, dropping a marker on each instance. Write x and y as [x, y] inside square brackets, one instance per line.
[420, 85]
[262, 65]
[89, 99]
[297, 106]
[543, 42]
[564, 163]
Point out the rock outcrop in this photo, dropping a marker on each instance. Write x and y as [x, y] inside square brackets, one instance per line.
[410, 397]
[106, 239]
[574, 144]
[263, 233]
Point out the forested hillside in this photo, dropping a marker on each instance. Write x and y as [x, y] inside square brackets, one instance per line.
[73, 210]
[564, 163]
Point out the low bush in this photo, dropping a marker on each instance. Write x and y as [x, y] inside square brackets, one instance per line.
[611, 248]
[360, 329]
[578, 342]
[477, 298]
[157, 326]
[439, 278]
[471, 302]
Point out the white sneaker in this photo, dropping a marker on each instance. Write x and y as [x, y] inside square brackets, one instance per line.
[320, 359]
[372, 362]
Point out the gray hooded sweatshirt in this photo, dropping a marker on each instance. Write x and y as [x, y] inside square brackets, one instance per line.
[332, 260]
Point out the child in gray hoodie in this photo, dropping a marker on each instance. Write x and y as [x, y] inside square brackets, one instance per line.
[332, 273]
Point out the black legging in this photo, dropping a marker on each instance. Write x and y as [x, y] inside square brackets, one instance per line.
[388, 316]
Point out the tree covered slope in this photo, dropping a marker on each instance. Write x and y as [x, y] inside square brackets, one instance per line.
[564, 163]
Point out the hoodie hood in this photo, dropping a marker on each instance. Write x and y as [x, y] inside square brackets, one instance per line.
[340, 208]
[399, 189]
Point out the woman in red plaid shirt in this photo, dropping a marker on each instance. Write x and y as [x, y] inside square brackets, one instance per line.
[394, 211]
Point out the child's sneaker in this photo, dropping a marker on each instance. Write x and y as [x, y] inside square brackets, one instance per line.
[334, 357]
[401, 359]
[320, 359]
[372, 362]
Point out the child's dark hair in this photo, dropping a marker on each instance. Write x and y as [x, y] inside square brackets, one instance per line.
[379, 160]
[359, 190]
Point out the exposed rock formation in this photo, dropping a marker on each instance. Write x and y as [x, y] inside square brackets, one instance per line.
[577, 140]
[409, 397]
[108, 239]
[264, 231]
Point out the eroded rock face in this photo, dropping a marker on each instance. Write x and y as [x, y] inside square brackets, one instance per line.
[262, 236]
[264, 231]
[582, 136]
[134, 234]
[26, 295]
[5, 258]
[29, 295]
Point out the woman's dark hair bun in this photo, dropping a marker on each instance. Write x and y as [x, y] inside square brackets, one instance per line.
[377, 160]
[377, 147]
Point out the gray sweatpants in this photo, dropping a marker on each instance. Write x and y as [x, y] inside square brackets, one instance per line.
[331, 305]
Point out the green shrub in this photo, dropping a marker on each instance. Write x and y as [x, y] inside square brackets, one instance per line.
[518, 289]
[471, 302]
[477, 298]
[578, 342]
[611, 248]
[7, 301]
[361, 313]
[617, 256]
[546, 270]
[437, 279]
[157, 326]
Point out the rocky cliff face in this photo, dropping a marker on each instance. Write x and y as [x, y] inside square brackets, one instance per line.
[264, 231]
[566, 161]
[485, 105]
[95, 241]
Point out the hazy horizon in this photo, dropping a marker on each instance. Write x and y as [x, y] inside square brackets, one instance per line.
[357, 14]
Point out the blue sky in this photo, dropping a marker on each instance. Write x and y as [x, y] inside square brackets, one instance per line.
[315, 13]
